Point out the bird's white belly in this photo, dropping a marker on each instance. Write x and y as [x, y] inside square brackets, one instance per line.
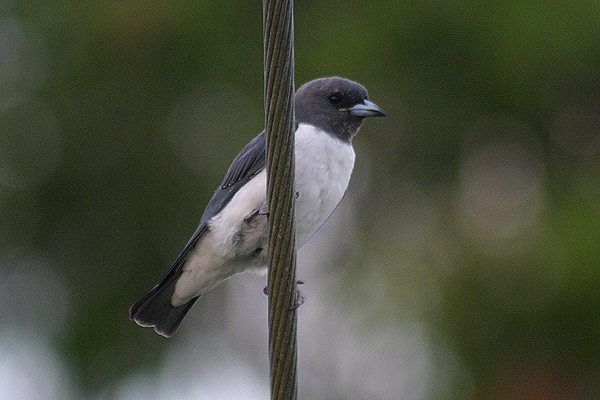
[323, 168]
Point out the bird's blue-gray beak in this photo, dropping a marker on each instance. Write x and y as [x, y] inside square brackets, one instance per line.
[367, 109]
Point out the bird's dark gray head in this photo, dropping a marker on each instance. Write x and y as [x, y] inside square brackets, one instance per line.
[336, 105]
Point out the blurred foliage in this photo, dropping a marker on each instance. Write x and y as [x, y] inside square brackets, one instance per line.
[478, 197]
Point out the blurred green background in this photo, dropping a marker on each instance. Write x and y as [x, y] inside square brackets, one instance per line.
[463, 263]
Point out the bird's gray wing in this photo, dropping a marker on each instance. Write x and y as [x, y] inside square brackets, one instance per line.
[154, 309]
[248, 163]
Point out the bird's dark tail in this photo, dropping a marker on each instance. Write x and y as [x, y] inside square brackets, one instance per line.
[155, 309]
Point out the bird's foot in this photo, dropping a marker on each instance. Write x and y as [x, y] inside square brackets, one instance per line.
[298, 301]
[263, 209]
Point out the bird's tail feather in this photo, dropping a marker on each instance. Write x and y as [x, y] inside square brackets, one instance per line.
[155, 310]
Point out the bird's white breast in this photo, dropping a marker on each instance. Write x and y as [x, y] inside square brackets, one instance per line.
[323, 168]
[324, 165]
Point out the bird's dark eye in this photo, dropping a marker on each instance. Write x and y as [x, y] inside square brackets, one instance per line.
[335, 98]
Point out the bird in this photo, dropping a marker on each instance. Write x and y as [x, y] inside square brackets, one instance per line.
[232, 236]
